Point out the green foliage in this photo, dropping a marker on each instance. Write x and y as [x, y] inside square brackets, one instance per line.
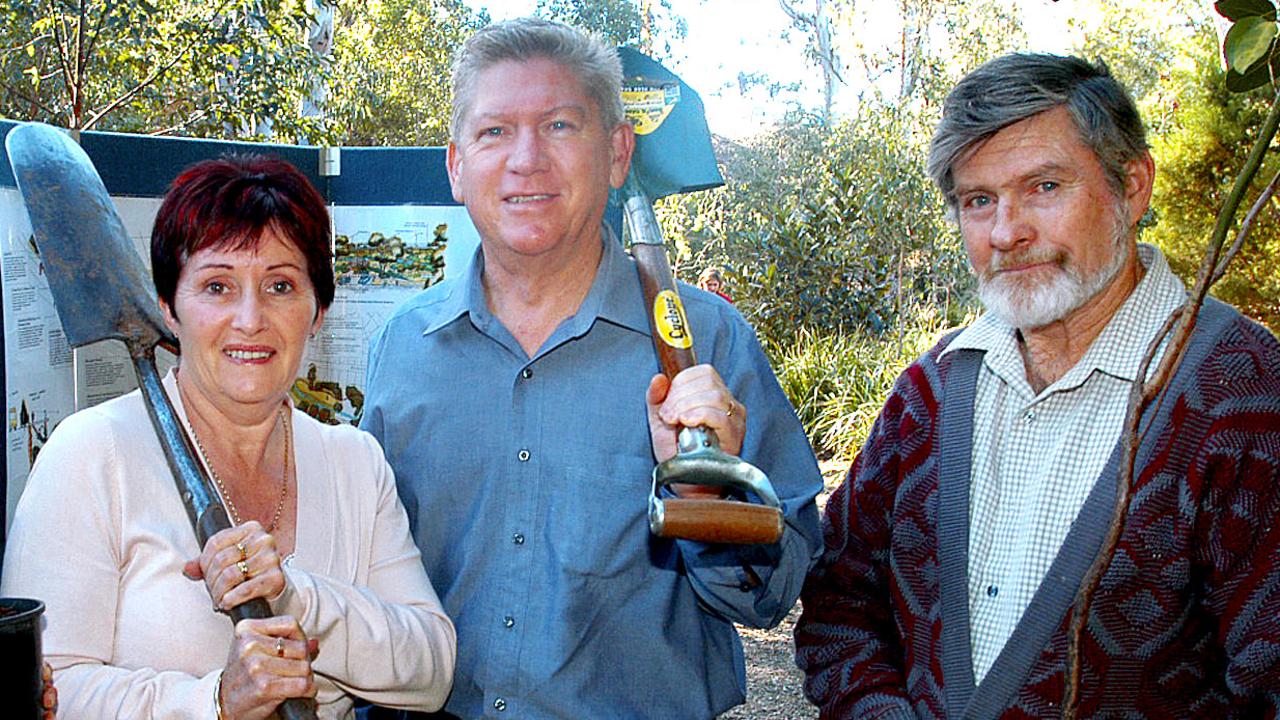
[838, 380]
[976, 31]
[1199, 147]
[222, 69]
[617, 20]
[1142, 41]
[829, 229]
[646, 25]
[1250, 43]
[233, 68]
[1236, 10]
[391, 61]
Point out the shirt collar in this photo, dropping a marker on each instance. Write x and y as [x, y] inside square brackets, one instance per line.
[455, 295]
[615, 294]
[1118, 349]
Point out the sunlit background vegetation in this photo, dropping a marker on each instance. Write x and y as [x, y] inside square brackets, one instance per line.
[834, 243]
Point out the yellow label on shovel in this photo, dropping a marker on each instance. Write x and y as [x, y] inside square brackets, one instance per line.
[647, 104]
[669, 319]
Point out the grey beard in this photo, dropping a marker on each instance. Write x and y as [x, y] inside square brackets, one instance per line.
[1052, 301]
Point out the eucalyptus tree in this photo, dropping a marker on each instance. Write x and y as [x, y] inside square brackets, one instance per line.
[816, 23]
[651, 26]
[157, 66]
[391, 69]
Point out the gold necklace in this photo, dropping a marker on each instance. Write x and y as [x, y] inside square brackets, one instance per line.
[222, 489]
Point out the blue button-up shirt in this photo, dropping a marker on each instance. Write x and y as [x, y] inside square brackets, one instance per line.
[526, 481]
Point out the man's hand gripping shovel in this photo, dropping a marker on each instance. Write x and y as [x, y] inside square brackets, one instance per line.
[102, 291]
[673, 154]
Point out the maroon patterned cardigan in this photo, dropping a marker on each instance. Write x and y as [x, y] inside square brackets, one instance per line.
[1186, 623]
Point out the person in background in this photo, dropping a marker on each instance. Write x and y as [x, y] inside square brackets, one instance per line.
[519, 406]
[712, 281]
[243, 269]
[957, 543]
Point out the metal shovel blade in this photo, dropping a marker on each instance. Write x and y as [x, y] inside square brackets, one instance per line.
[99, 284]
[673, 144]
[83, 243]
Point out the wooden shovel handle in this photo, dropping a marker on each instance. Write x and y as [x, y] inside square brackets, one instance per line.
[720, 521]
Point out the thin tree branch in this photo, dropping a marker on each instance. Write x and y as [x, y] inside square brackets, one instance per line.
[186, 122]
[155, 75]
[62, 59]
[26, 97]
[97, 33]
[81, 59]
[795, 15]
[1245, 227]
[33, 40]
[1143, 392]
[69, 64]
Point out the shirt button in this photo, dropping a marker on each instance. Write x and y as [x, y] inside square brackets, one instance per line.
[992, 591]
[523, 455]
[499, 704]
[517, 538]
[1030, 417]
[526, 373]
[508, 622]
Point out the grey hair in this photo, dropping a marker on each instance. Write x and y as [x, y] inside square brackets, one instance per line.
[1015, 87]
[588, 57]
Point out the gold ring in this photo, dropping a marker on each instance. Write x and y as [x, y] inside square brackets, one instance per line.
[279, 647]
[729, 411]
[244, 555]
[244, 568]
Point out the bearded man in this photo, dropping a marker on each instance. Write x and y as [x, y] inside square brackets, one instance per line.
[956, 545]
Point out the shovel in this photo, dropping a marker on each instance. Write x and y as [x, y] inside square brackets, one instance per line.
[673, 155]
[102, 291]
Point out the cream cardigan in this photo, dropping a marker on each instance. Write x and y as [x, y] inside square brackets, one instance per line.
[100, 536]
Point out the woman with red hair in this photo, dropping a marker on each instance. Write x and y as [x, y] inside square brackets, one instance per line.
[242, 264]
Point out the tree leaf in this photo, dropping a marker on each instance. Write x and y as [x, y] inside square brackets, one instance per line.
[1255, 77]
[1235, 10]
[1248, 42]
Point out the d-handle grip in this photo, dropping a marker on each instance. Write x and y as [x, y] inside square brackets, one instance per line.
[715, 521]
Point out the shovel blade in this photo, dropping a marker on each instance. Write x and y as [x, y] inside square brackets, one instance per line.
[673, 144]
[83, 243]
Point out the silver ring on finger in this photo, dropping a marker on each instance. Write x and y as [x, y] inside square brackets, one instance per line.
[279, 647]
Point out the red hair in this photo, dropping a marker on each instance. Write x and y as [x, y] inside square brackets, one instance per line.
[226, 204]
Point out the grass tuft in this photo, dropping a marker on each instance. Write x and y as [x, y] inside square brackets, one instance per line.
[838, 381]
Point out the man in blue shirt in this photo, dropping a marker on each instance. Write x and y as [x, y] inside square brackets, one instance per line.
[519, 406]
